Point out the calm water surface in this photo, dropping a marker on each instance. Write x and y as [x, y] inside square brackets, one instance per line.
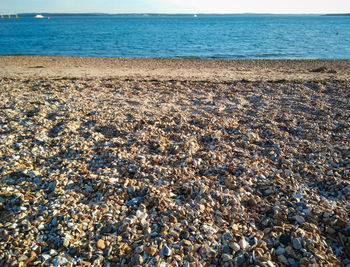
[205, 36]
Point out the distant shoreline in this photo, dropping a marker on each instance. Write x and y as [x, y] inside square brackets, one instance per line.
[174, 14]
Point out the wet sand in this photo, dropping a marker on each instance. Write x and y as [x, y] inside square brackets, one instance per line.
[167, 162]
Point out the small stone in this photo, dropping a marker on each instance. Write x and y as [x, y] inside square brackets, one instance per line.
[32, 257]
[172, 219]
[53, 252]
[139, 249]
[289, 250]
[243, 244]
[297, 243]
[23, 258]
[330, 230]
[239, 260]
[251, 202]
[235, 247]
[280, 251]
[227, 236]
[59, 261]
[285, 239]
[291, 261]
[101, 244]
[66, 240]
[45, 257]
[184, 235]
[187, 242]
[166, 251]
[225, 257]
[283, 259]
[299, 219]
[137, 259]
[151, 251]
[141, 215]
[235, 227]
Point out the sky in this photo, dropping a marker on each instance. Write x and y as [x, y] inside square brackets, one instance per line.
[176, 6]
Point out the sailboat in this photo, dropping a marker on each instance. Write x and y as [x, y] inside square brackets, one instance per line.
[39, 16]
[195, 16]
[9, 16]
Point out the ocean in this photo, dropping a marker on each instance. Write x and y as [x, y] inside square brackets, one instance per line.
[179, 36]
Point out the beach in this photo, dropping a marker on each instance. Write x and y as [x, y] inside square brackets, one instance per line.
[174, 162]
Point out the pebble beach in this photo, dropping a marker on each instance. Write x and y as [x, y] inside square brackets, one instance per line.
[164, 162]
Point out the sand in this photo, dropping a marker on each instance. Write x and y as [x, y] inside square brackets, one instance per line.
[172, 69]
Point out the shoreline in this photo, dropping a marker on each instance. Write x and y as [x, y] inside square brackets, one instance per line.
[174, 68]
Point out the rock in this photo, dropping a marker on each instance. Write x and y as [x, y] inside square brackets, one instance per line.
[320, 69]
[172, 219]
[59, 261]
[251, 202]
[184, 235]
[227, 236]
[297, 243]
[23, 258]
[235, 247]
[283, 259]
[226, 257]
[166, 251]
[101, 244]
[137, 259]
[239, 259]
[243, 244]
[66, 240]
[330, 230]
[45, 257]
[291, 261]
[299, 219]
[151, 251]
[285, 239]
[280, 251]
[141, 215]
[53, 252]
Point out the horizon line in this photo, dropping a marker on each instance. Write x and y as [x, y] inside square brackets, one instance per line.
[179, 13]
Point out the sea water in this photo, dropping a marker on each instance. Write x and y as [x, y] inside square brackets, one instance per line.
[184, 36]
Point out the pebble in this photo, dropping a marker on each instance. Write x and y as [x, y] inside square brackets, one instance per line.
[283, 259]
[239, 259]
[235, 247]
[59, 261]
[280, 251]
[297, 243]
[243, 244]
[151, 251]
[101, 244]
[251, 173]
[184, 235]
[285, 239]
[166, 251]
[226, 257]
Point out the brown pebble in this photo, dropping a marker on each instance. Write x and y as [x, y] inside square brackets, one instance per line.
[251, 202]
[32, 257]
[151, 251]
[172, 219]
[101, 244]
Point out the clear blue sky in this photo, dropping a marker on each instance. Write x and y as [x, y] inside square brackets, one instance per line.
[176, 6]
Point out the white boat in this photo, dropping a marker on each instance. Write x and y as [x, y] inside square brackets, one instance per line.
[39, 16]
[195, 16]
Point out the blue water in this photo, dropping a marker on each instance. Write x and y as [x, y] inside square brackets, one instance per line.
[207, 36]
